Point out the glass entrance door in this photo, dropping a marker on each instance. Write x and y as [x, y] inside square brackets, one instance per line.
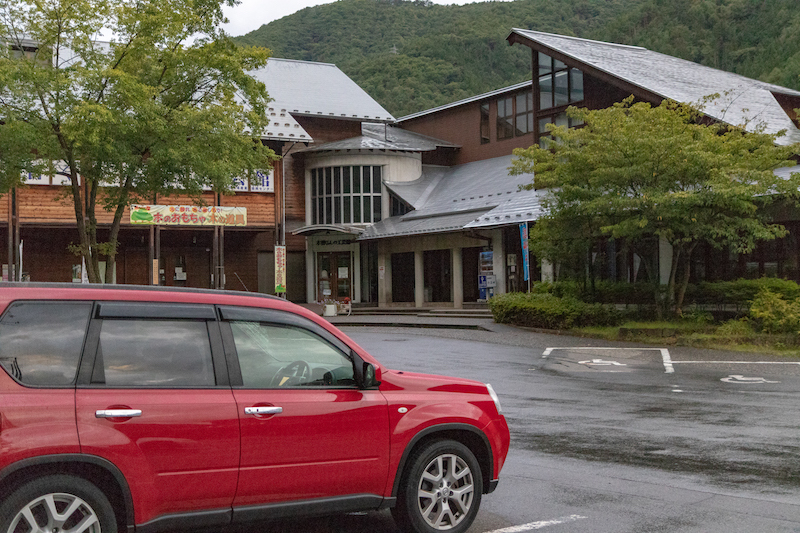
[335, 277]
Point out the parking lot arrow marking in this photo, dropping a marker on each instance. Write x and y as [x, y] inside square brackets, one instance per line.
[600, 362]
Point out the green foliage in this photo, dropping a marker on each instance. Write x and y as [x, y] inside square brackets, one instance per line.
[750, 37]
[544, 310]
[736, 329]
[772, 313]
[740, 293]
[640, 174]
[151, 112]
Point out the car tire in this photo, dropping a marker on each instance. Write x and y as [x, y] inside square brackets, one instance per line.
[64, 502]
[440, 490]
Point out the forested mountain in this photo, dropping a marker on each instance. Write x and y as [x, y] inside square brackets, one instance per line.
[415, 55]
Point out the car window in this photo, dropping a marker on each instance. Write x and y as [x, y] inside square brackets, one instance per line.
[154, 353]
[273, 356]
[41, 342]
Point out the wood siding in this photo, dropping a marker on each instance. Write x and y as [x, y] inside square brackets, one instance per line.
[461, 125]
[47, 205]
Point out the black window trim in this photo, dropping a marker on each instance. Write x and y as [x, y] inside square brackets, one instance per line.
[160, 310]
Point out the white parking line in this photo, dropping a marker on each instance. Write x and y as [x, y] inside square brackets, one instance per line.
[538, 525]
[734, 363]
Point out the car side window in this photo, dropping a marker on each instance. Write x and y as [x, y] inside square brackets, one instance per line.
[275, 356]
[154, 353]
[41, 342]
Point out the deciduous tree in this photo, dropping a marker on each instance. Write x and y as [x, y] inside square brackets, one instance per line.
[640, 173]
[164, 104]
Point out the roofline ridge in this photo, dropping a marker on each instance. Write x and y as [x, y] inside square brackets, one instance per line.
[579, 39]
[301, 61]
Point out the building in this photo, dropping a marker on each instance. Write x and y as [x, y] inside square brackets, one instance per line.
[450, 215]
[312, 103]
[419, 211]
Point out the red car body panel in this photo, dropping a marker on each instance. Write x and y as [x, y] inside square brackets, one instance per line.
[196, 449]
[181, 454]
[325, 443]
[35, 422]
[440, 401]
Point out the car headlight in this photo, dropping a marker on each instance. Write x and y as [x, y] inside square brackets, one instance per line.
[494, 396]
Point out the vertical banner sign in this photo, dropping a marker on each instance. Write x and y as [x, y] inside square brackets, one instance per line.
[523, 233]
[280, 269]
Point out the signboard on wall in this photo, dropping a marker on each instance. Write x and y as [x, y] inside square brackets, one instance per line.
[280, 269]
[188, 215]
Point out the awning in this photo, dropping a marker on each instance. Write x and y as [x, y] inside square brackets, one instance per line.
[322, 229]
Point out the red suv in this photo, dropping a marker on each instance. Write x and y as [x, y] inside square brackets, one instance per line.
[138, 408]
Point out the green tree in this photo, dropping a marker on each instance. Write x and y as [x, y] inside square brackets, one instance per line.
[639, 173]
[166, 105]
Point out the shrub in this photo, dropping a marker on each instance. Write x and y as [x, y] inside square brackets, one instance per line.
[741, 292]
[774, 314]
[545, 310]
[735, 329]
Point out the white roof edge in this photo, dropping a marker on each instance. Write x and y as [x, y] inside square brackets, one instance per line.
[515, 30]
[301, 61]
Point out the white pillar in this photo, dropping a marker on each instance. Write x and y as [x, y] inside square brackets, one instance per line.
[457, 269]
[311, 274]
[419, 279]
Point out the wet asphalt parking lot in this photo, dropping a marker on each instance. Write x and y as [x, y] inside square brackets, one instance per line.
[614, 437]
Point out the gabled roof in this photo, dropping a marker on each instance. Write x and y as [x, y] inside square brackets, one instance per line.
[743, 101]
[473, 195]
[305, 88]
[385, 137]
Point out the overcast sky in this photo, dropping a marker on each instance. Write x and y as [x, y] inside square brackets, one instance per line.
[249, 15]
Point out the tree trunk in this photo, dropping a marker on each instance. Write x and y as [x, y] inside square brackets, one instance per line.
[677, 251]
[657, 289]
[685, 281]
[85, 245]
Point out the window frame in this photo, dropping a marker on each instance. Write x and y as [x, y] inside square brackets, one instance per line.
[121, 310]
[274, 317]
[81, 355]
[336, 201]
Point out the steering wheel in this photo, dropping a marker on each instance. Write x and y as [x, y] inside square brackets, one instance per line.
[292, 374]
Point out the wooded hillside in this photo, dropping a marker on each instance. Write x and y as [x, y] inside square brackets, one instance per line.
[414, 55]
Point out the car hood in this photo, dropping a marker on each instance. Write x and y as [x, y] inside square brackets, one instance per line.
[402, 380]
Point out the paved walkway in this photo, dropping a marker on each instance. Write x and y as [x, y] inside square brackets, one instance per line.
[430, 322]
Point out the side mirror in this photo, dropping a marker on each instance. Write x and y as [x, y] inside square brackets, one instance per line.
[364, 372]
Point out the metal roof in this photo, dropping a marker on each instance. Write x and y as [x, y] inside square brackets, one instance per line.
[385, 137]
[743, 101]
[305, 88]
[451, 199]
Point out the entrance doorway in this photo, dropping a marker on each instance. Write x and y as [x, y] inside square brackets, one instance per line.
[334, 272]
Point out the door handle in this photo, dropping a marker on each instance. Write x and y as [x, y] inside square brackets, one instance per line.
[271, 410]
[117, 413]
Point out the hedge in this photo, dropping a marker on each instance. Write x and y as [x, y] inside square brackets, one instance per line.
[545, 310]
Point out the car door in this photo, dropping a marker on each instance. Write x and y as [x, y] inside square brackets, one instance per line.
[154, 399]
[308, 432]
